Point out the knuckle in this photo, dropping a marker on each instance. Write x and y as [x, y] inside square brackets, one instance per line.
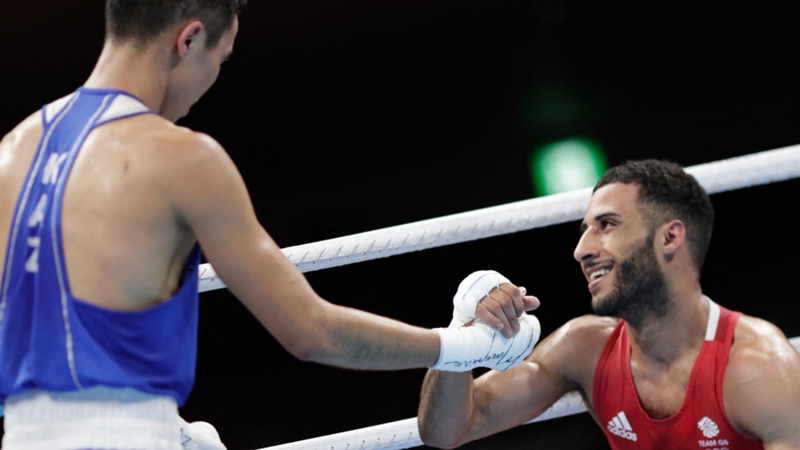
[494, 307]
[503, 297]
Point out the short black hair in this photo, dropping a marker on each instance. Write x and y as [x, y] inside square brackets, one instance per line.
[667, 192]
[143, 20]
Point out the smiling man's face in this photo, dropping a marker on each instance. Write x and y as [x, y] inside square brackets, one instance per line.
[617, 255]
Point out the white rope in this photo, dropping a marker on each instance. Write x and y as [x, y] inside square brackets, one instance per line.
[405, 434]
[729, 174]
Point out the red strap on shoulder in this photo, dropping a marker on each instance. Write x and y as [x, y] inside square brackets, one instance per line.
[601, 369]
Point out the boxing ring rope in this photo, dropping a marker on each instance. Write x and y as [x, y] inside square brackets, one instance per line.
[405, 434]
[720, 176]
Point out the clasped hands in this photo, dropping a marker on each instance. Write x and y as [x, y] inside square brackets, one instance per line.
[500, 308]
[489, 326]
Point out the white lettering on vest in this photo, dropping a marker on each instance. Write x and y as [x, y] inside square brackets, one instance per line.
[52, 167]
[623, 433]
[714, 444]
[38, 214]
[32, 265]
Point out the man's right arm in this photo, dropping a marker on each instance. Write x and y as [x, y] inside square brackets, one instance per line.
[212, 200]
[455, 409]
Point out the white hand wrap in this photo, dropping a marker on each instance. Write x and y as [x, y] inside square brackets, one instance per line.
[200, 436]
[463, 349]
[471, 291]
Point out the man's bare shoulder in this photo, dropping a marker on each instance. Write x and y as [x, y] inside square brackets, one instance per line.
[762, 378]
[17, 149]
[588, 332]
[155, 134]
[29, 129]
[575, 348]
[757, 342]
[585, 334]
[170, 153]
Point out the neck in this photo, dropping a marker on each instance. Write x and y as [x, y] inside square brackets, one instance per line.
[662, 340]
[141, 72]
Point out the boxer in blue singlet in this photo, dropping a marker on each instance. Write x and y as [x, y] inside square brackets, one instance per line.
[104, 200]
[53, 341]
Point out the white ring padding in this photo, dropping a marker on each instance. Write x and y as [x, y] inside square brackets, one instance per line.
[405, 434]
[725, 175]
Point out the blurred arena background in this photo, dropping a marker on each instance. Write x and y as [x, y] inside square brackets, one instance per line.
[346, 116]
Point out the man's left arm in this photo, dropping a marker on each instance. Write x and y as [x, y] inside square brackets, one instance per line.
[761, 389]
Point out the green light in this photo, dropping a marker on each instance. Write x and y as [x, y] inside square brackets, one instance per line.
[567, 165]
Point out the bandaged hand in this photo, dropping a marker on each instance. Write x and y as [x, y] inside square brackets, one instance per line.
[199, 436]
[489, 296]
[494, 304]
[465, 348]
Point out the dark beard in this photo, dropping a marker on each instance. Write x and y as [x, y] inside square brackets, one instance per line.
[639, 289]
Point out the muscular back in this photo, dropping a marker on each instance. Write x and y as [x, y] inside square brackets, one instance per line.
[124, 243]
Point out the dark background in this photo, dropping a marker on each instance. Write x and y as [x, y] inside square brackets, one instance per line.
[346, 116]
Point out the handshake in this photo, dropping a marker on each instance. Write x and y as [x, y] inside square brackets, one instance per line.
[480, 345]
[462, 348]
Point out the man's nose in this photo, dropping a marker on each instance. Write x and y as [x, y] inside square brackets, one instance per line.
[587, 247]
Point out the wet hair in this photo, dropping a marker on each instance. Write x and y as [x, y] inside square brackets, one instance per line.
[667, 192]
[141, 21]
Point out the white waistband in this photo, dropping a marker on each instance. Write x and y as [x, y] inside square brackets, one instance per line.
[99, 417]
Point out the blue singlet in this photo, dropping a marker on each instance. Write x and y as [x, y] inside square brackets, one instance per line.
[50, 340]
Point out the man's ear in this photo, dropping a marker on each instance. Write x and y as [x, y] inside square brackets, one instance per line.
[189, 37]
[673, 237]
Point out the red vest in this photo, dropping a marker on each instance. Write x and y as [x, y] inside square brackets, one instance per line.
[700, 423]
